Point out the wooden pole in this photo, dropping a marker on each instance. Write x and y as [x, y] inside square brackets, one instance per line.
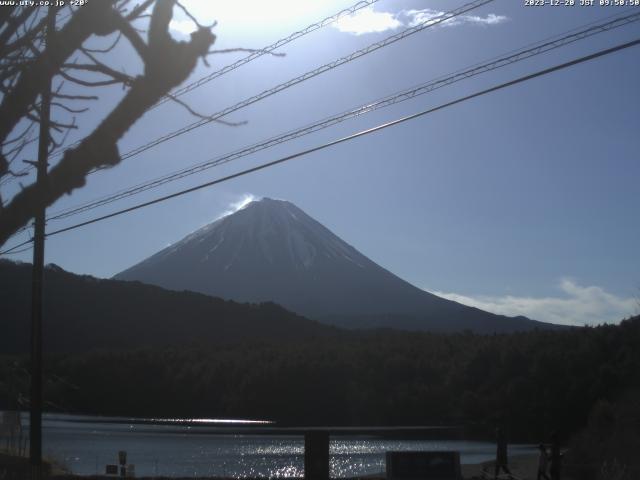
[35, 413]
[316, 455]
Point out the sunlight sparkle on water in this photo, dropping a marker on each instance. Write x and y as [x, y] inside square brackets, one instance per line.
[212, 421]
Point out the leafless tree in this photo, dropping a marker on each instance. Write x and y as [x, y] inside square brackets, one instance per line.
[28, 61]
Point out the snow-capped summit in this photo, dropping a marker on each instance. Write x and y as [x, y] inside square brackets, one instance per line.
[263, 231]
[270, 250]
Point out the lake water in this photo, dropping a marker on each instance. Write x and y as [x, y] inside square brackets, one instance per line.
[86, 444]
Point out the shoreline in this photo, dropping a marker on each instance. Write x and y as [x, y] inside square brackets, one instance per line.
[523, 466]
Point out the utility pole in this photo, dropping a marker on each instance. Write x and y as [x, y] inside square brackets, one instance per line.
[35, 413]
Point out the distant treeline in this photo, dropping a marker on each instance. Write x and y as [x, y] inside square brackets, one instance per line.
[533, 383]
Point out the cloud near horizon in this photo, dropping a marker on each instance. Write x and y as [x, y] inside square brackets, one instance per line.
[368, 20]
[579, 305]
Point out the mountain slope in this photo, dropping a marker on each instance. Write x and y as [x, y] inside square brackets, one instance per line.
[84, 313]
[273, 251]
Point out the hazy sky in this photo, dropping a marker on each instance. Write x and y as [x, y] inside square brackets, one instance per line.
[524, 201]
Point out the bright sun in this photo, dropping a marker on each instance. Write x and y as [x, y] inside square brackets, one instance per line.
[252, 14]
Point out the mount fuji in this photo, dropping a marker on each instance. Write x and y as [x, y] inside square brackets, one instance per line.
[271, 250]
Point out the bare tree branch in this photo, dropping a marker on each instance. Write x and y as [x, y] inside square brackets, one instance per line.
[117, 77]
[88, 20]
[75, 97]
[167, 64]
[134, 38]
[188, 108]
[87, 83]
[69, 109]
[13, 24]
[188, 14]
[139, 10]
[5, 14]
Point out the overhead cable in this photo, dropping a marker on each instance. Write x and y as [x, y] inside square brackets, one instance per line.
[402, 96]
[362, 133]
[441, 18]
[237, 64]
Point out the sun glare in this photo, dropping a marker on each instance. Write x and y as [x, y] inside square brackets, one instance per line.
[255, 13]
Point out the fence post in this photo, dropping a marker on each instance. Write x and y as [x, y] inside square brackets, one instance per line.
[316, 455]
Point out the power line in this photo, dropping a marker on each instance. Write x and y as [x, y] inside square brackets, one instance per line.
[268, 49]
[430, 22]
[14, 250]
[24, 171]
[233, 66]
[498, 62]
[501, 86]
[308, 75]
[362, 133]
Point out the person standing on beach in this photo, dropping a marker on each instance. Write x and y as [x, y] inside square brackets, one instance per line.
[543, 462]
[501, 453]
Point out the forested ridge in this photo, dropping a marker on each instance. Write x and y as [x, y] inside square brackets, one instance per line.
[533, 383]
[83, 313]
